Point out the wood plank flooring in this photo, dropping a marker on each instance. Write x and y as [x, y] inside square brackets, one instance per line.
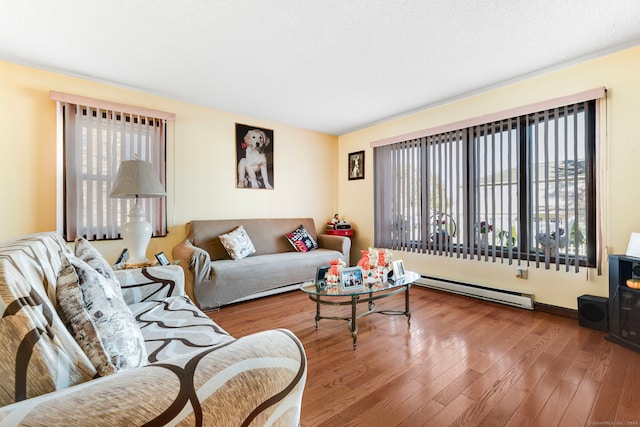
[461, 362]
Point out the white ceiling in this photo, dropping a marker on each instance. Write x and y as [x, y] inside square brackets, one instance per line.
[328, 65]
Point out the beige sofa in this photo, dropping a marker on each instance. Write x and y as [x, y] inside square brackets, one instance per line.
[196, 374]
[214, 279]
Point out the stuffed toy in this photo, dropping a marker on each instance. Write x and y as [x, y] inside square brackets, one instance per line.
[333, 275]
[368, 262]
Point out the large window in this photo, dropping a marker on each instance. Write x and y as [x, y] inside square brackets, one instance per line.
[516, 189]
[95, 141]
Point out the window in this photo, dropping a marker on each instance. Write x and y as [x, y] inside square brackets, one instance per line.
[518, 188]
[95, 141]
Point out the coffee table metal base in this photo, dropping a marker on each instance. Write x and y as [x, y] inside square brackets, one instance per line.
[358, 299]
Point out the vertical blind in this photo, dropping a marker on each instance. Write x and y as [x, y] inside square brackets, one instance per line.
[562, 151]
[519, 188]
[96, 140]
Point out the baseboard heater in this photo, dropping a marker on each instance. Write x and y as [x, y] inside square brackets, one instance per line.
[516, 299]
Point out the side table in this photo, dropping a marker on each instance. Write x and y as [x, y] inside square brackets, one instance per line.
[340, 232]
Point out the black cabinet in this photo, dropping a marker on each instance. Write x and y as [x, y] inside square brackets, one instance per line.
[624, 302]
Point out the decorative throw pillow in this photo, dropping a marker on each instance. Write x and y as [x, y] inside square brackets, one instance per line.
[237, 243]
[87, 253]
[302, 240]
[95, 313]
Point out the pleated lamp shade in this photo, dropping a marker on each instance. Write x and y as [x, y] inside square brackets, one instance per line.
[135, 179]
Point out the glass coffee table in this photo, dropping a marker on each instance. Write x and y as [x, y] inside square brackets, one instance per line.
[369, 294]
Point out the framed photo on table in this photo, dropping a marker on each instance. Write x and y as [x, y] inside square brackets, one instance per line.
[162, 258]
[321, 275]
[351, 278]
[123, 257]
[398, 269]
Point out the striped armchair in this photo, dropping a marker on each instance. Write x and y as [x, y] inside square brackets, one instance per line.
[195, 373]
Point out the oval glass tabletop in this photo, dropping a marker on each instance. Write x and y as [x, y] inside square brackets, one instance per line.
[312, 288]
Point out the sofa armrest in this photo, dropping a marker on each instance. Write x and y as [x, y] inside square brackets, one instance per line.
[337, 243]
[196, 264]
[257, 380]
[150, 283]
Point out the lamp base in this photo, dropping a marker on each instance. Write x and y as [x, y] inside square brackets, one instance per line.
[136, 235]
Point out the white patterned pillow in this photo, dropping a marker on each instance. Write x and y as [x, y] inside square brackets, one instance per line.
[95, 313]
[87, 253]
[237, 243]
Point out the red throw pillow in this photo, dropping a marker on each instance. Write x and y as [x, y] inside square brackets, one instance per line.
[301, 240]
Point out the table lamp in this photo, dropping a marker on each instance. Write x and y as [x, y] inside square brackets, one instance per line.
[135, 179]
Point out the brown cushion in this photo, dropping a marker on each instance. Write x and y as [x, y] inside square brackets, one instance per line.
[38, 355]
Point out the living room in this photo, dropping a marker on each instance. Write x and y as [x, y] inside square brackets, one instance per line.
[201, 166]
[311, 167]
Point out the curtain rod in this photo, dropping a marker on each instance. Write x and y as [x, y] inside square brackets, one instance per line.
[494, 117]
[108, 105]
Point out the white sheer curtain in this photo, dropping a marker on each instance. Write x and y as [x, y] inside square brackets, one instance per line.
[96, 140]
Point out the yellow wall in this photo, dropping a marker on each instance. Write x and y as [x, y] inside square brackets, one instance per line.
[200, 161]
[310, 167]
[619, 74]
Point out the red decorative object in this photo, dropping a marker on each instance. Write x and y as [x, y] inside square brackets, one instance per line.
[333, 274]
[346, 233]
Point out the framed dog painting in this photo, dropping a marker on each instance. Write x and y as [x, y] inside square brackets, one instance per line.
[254, 157]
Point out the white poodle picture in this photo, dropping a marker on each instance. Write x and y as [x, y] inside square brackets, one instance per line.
[356, 165]
[255, 157]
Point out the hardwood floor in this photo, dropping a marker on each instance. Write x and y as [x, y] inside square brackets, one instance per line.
[462, 362]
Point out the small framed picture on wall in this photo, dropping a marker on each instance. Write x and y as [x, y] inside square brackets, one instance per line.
[356, 165]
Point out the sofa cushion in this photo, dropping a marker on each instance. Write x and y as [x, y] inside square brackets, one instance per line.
[237, 243]
[237, 279]
[301, 240]
[87, 253]
[38, 355]
[267, 234]
[95, 312]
